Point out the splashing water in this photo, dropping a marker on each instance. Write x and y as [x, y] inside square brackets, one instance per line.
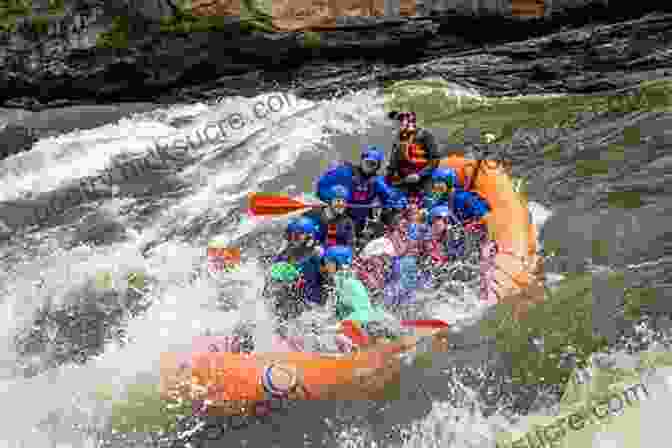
[164, 236]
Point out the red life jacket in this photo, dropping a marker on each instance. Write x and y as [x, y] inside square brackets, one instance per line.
[413, 159]
[332, 231]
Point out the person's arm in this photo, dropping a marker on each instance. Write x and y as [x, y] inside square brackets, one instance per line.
[351, 239]
[471, 205]
[393, 165]
[390, 196]
[427, 139]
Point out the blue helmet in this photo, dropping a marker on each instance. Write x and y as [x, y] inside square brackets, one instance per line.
[337, 192]
[341, 255]
[442, 211]
[445, 175]
[373, 153]
[292, 226]
[308, 226]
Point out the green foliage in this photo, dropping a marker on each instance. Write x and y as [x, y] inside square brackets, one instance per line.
[15, 7]
[423, 360]
[39, 24]
[593, 167]
[117, 36]
[625, 199]
[638, 300]
[552, 151]
[10, 10]
[564, 321]
[599, 249]
[311, 39]
[185, 22]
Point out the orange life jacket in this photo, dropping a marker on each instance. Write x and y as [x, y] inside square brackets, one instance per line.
[413, 159]
[332, 230]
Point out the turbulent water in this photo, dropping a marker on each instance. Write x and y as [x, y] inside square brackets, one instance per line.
[65, 332]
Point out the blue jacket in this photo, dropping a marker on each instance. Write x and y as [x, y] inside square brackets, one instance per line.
[364, 190]
[345, 229]
[467, 205]
[309, 265]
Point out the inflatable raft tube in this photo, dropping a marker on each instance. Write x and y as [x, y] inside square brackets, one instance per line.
[234, 383]
[517, 267]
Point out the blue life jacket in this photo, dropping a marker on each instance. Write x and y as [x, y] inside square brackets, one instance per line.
[364, 190]
[467, 205]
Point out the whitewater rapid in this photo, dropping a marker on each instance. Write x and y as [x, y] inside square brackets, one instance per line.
[162, 232]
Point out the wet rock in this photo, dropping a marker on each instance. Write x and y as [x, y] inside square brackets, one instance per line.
[15, 139]
[63, 65]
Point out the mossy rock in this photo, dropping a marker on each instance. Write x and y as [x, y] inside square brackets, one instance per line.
[311, 40]
[564, 320]
[436, 107]
[117, 36]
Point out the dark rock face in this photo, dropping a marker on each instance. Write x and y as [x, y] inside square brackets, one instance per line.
[63, 66]
[15, 139]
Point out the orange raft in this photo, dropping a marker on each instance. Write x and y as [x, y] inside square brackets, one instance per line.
[517, 267]
[233, 382]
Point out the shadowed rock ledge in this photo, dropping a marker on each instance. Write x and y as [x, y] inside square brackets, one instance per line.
[62, 66]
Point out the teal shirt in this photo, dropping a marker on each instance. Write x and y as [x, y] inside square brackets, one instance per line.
[353, 301]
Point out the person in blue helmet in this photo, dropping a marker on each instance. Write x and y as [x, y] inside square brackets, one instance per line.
[369, 188]
[351, 299]
[445, 190]
[336, 227]
[301, 252]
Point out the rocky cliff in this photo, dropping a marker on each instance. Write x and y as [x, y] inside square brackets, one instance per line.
[56, 61]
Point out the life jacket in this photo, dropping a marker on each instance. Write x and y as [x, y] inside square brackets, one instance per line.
[362, 190]
[413, 159]
[332, 232]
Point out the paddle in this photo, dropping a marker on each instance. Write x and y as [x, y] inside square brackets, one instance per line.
[270, 204]
[354, 332]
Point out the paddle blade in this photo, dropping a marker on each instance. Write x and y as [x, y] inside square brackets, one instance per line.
[265, 204]
[354, 332]
[425, 323]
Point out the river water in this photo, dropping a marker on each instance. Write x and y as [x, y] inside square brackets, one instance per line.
[62, 334]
